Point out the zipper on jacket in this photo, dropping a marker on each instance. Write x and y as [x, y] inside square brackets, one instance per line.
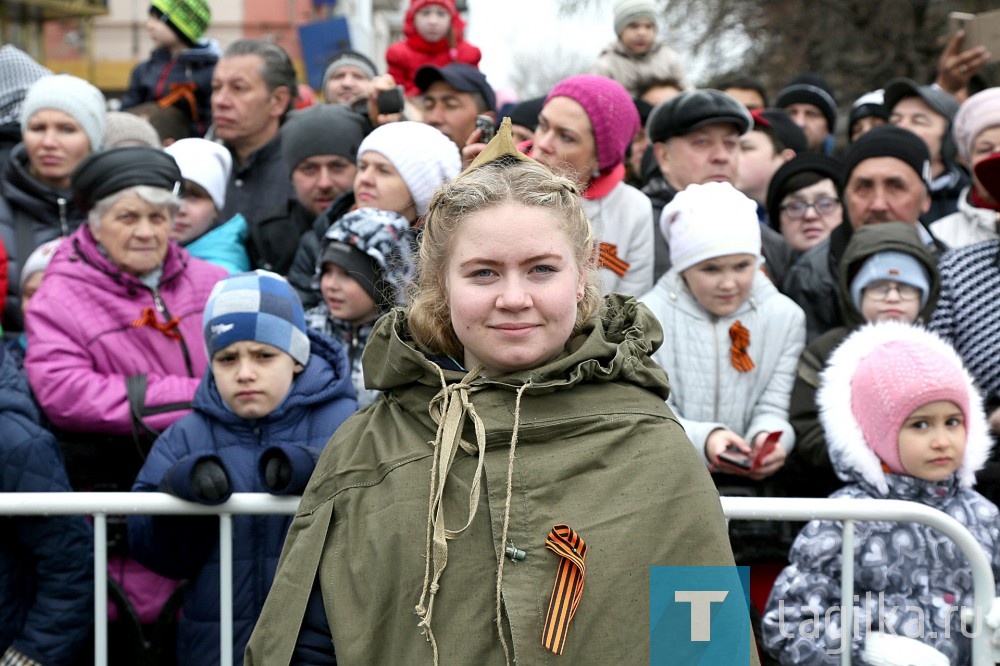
[354, 347]
[160, 88]
[63, 223]
[718, 376]
[161, 307]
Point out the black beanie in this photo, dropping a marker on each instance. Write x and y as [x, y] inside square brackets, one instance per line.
[526, 113]
[890, 141]
[810, 89]
[818, 163]
[105, 172]
[322, 129]
[782, 127]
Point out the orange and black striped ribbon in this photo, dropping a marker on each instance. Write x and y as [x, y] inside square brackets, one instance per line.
[568, 588]
[168, 328]
[608, 258]
[181, 91]
[738, 354]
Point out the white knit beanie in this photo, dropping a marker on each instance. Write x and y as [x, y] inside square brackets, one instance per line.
[74, 97]
[708, 221]
[424, 157]
[204, 163]
[627, 11]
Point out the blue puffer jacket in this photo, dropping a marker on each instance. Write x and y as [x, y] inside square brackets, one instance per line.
[320, 399]
[224, 245]
[46, 564]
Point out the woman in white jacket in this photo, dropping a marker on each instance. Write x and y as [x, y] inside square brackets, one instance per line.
[731, 340]
[584, 128]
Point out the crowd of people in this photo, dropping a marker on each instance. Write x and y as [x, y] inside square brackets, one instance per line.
[634, 297]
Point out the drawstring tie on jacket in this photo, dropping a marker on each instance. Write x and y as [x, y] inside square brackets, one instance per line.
[449, 409]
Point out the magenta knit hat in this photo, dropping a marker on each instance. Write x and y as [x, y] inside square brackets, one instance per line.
[892, 382]
[611, 111]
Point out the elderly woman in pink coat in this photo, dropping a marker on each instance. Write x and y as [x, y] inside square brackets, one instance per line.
[115, 349]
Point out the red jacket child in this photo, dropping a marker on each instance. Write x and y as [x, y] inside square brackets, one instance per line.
[429, 39]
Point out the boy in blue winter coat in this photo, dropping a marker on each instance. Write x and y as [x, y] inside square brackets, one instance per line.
[274, 395]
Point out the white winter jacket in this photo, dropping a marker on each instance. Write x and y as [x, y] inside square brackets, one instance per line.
[706, 391]
[966, 226]
[624, 220]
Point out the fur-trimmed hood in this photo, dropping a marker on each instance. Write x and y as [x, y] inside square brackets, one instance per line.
[852, 458]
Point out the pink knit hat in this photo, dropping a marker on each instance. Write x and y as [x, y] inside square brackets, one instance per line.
[611, 111]
[979, 112]
[895, 379]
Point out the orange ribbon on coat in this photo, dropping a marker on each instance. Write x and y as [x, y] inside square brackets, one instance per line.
[738, 355]
[568, 588]
[168, 328]
[608, 258]
[179, 91]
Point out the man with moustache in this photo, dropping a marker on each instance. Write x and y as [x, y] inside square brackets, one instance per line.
[696, 139]
[886, 179]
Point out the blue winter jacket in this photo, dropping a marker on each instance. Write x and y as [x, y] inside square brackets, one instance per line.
[320, 399]
[154, 79]
[46, 564]
[224, 245]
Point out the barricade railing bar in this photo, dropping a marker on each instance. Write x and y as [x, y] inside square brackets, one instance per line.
[849, 511]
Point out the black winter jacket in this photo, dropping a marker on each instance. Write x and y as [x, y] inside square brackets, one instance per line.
[35, 213]
[46, 563]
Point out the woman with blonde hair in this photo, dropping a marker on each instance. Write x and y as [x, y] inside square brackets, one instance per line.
[532, 407]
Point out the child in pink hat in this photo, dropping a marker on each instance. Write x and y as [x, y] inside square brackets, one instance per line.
[904, 421]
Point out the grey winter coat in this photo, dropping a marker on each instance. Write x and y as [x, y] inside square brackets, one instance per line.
[909, 566]
[660, 62]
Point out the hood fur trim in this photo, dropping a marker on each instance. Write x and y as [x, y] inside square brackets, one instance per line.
[851, 457]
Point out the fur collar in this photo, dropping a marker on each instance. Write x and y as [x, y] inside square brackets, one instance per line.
[851, 457]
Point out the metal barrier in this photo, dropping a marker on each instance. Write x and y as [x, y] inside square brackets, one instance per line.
[852, 510]
[100, 505]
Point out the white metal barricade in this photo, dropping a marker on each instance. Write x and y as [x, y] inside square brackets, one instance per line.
[101, 505]
[852, 510]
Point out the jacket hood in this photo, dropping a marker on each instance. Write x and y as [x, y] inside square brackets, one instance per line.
[450, 41]
[873, 238]
[616, 47]
[25, 192]
[325, 378]
[207, 51]
[852, 458]
[616, 344]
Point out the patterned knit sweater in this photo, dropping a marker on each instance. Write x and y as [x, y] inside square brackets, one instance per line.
[966, 313]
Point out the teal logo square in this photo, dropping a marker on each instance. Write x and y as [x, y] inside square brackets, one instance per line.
[699, 616]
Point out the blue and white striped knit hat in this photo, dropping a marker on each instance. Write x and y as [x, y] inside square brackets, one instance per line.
[259, 306]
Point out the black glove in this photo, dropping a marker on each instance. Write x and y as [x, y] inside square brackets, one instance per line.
[277, 471]
[210, 481]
